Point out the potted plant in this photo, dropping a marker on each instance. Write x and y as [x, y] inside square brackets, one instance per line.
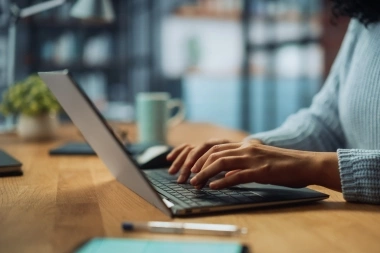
[34, 105]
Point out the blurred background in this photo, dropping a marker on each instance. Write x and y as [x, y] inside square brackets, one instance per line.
[242, 64]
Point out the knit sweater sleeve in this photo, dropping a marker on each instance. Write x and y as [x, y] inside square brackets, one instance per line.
[360, 175]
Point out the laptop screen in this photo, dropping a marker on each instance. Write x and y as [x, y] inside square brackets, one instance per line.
[100, 136]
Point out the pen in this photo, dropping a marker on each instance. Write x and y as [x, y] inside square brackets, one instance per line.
[184, 228]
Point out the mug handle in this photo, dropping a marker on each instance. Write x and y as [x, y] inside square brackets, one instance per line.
[179, 116]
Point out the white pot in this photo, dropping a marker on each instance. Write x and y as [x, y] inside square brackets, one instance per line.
[40, 127]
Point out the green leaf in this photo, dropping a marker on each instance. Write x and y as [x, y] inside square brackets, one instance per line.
[31, 97]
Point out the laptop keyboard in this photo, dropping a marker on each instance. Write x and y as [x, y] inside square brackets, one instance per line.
[188, 196]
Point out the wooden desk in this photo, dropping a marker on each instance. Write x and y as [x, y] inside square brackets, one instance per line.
[61, 201]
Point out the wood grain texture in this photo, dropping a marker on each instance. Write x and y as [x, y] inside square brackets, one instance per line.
[61, 201]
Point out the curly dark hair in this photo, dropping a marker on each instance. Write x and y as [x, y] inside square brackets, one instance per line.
[366, 11]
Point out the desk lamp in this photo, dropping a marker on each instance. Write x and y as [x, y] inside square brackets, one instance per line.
[90, 10]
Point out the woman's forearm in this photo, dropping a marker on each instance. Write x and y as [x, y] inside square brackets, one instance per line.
[327, 170]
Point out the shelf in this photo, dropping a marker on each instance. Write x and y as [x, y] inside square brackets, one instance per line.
[51, 66]
[116, 65]
[273, 45]
[196, 12]
[71, 24]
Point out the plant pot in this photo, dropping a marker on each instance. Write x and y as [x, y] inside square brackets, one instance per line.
[39, 127]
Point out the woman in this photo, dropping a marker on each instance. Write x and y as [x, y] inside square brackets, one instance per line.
[335, 143]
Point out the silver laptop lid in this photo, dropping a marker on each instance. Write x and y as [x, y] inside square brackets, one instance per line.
[101, 138]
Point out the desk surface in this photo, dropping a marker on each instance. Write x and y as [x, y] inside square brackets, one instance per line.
[62, 201]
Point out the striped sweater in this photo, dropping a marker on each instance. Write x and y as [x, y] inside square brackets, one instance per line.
[344, 116]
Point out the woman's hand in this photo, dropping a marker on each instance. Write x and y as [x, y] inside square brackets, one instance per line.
[185, 156]
[247, 162]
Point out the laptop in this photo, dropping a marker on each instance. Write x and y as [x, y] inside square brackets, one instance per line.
[156, 186]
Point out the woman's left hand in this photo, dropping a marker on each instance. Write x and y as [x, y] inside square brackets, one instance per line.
[252, 162]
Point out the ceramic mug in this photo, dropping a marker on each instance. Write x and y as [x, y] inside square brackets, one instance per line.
[153, 114]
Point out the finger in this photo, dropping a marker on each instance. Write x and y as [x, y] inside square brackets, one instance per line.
[176, 151]
[184, 172]
[224, 163]
[199, 151]
[201, 162]
[219, 152]
[194, 155]
[178, 162]
[217, 141]
[231, 173]
[236, 178]
[177, 156]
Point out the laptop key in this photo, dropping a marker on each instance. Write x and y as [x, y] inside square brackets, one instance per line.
[187, 186]
[188, 194]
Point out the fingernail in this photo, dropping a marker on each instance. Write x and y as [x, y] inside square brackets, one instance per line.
[194, 169]
[180, 179]
[171, 170]
[194, 181]
[213, 186]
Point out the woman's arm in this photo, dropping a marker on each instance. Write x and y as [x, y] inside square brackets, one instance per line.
[355, 172]
[318, 127]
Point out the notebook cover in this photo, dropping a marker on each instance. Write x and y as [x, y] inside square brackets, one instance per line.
[82, 148]
[9, 165]
[72, 148]
[114, 245]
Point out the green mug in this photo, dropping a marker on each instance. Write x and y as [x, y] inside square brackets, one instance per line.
[153, 110]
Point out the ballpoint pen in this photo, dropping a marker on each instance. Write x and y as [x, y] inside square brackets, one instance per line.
[184, 228]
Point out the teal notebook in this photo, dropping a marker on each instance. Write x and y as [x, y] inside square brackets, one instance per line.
[113, 245]
[9, 166]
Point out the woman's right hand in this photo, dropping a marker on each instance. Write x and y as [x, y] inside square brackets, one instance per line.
[185, 156]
